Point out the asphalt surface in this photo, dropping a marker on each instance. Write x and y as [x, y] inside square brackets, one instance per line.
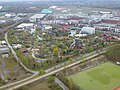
[52, 72]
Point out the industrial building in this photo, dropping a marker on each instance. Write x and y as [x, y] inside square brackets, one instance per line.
[25, 26]
[36, 17]
[88, 30]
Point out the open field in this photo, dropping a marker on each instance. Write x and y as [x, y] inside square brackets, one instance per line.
[11, 71]
[41, 85]
[102, 77]
[36, 86]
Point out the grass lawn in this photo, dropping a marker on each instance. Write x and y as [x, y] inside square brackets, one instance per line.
[102, 77]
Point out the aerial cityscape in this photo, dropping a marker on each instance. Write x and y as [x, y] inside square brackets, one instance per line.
[59, 45]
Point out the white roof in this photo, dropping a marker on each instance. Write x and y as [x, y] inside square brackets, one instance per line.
[118, 63]
[17, 46]
[25, 25]
[105, 12]
[1, 7]
[4, 49]
[3, 42]
[8, 15]
[81, 35]
[89, 30]
[53, 7]
[38, 16]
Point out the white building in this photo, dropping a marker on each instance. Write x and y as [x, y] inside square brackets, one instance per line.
[102, 12]
[28, 27]
[1, 7]
[8, 15]
[88, 30]
[16, 46]
[4, 50]
[3, 21]
[53, 7]
[25, 26]
[118, 63]
[72, 32]
[107, 16]
[80, 35]
[36, 17]
[2, 42]
[32, 31]
[47, 27]
[5, 55]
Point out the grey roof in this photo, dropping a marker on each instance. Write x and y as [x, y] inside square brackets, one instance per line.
[38, 16]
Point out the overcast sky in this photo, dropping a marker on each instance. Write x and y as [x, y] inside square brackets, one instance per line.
[13, 0]
[18, 0]
[24, 0]
[41, 0]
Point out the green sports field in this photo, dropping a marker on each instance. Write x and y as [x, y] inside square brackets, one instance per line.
[102, 77]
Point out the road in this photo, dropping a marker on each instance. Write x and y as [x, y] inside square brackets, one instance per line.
[52, 72]
[18, 82]
[47, 71]
[38, 59]
[27, 80]
[13, 25]
[8, 27]
[17, 59]
[61, 84]
[35, 73]
[68, 62]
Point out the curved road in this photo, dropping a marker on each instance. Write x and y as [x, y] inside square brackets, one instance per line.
[14, 53]
[52, 72]
[38, 59]
[48, 73]
[17, 59]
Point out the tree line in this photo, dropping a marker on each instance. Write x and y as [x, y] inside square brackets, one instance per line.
[113, 53]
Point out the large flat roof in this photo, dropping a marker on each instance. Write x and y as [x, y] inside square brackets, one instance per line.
[38, 16]
[25, 25]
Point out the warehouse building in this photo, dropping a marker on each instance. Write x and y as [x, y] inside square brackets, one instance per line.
[25, 26]
[87, 30]
[37, 17]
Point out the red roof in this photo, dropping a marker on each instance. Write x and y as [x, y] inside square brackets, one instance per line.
[110, 21]
[117, 88]
[118, 12]
[62, 29]
[66, 25]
